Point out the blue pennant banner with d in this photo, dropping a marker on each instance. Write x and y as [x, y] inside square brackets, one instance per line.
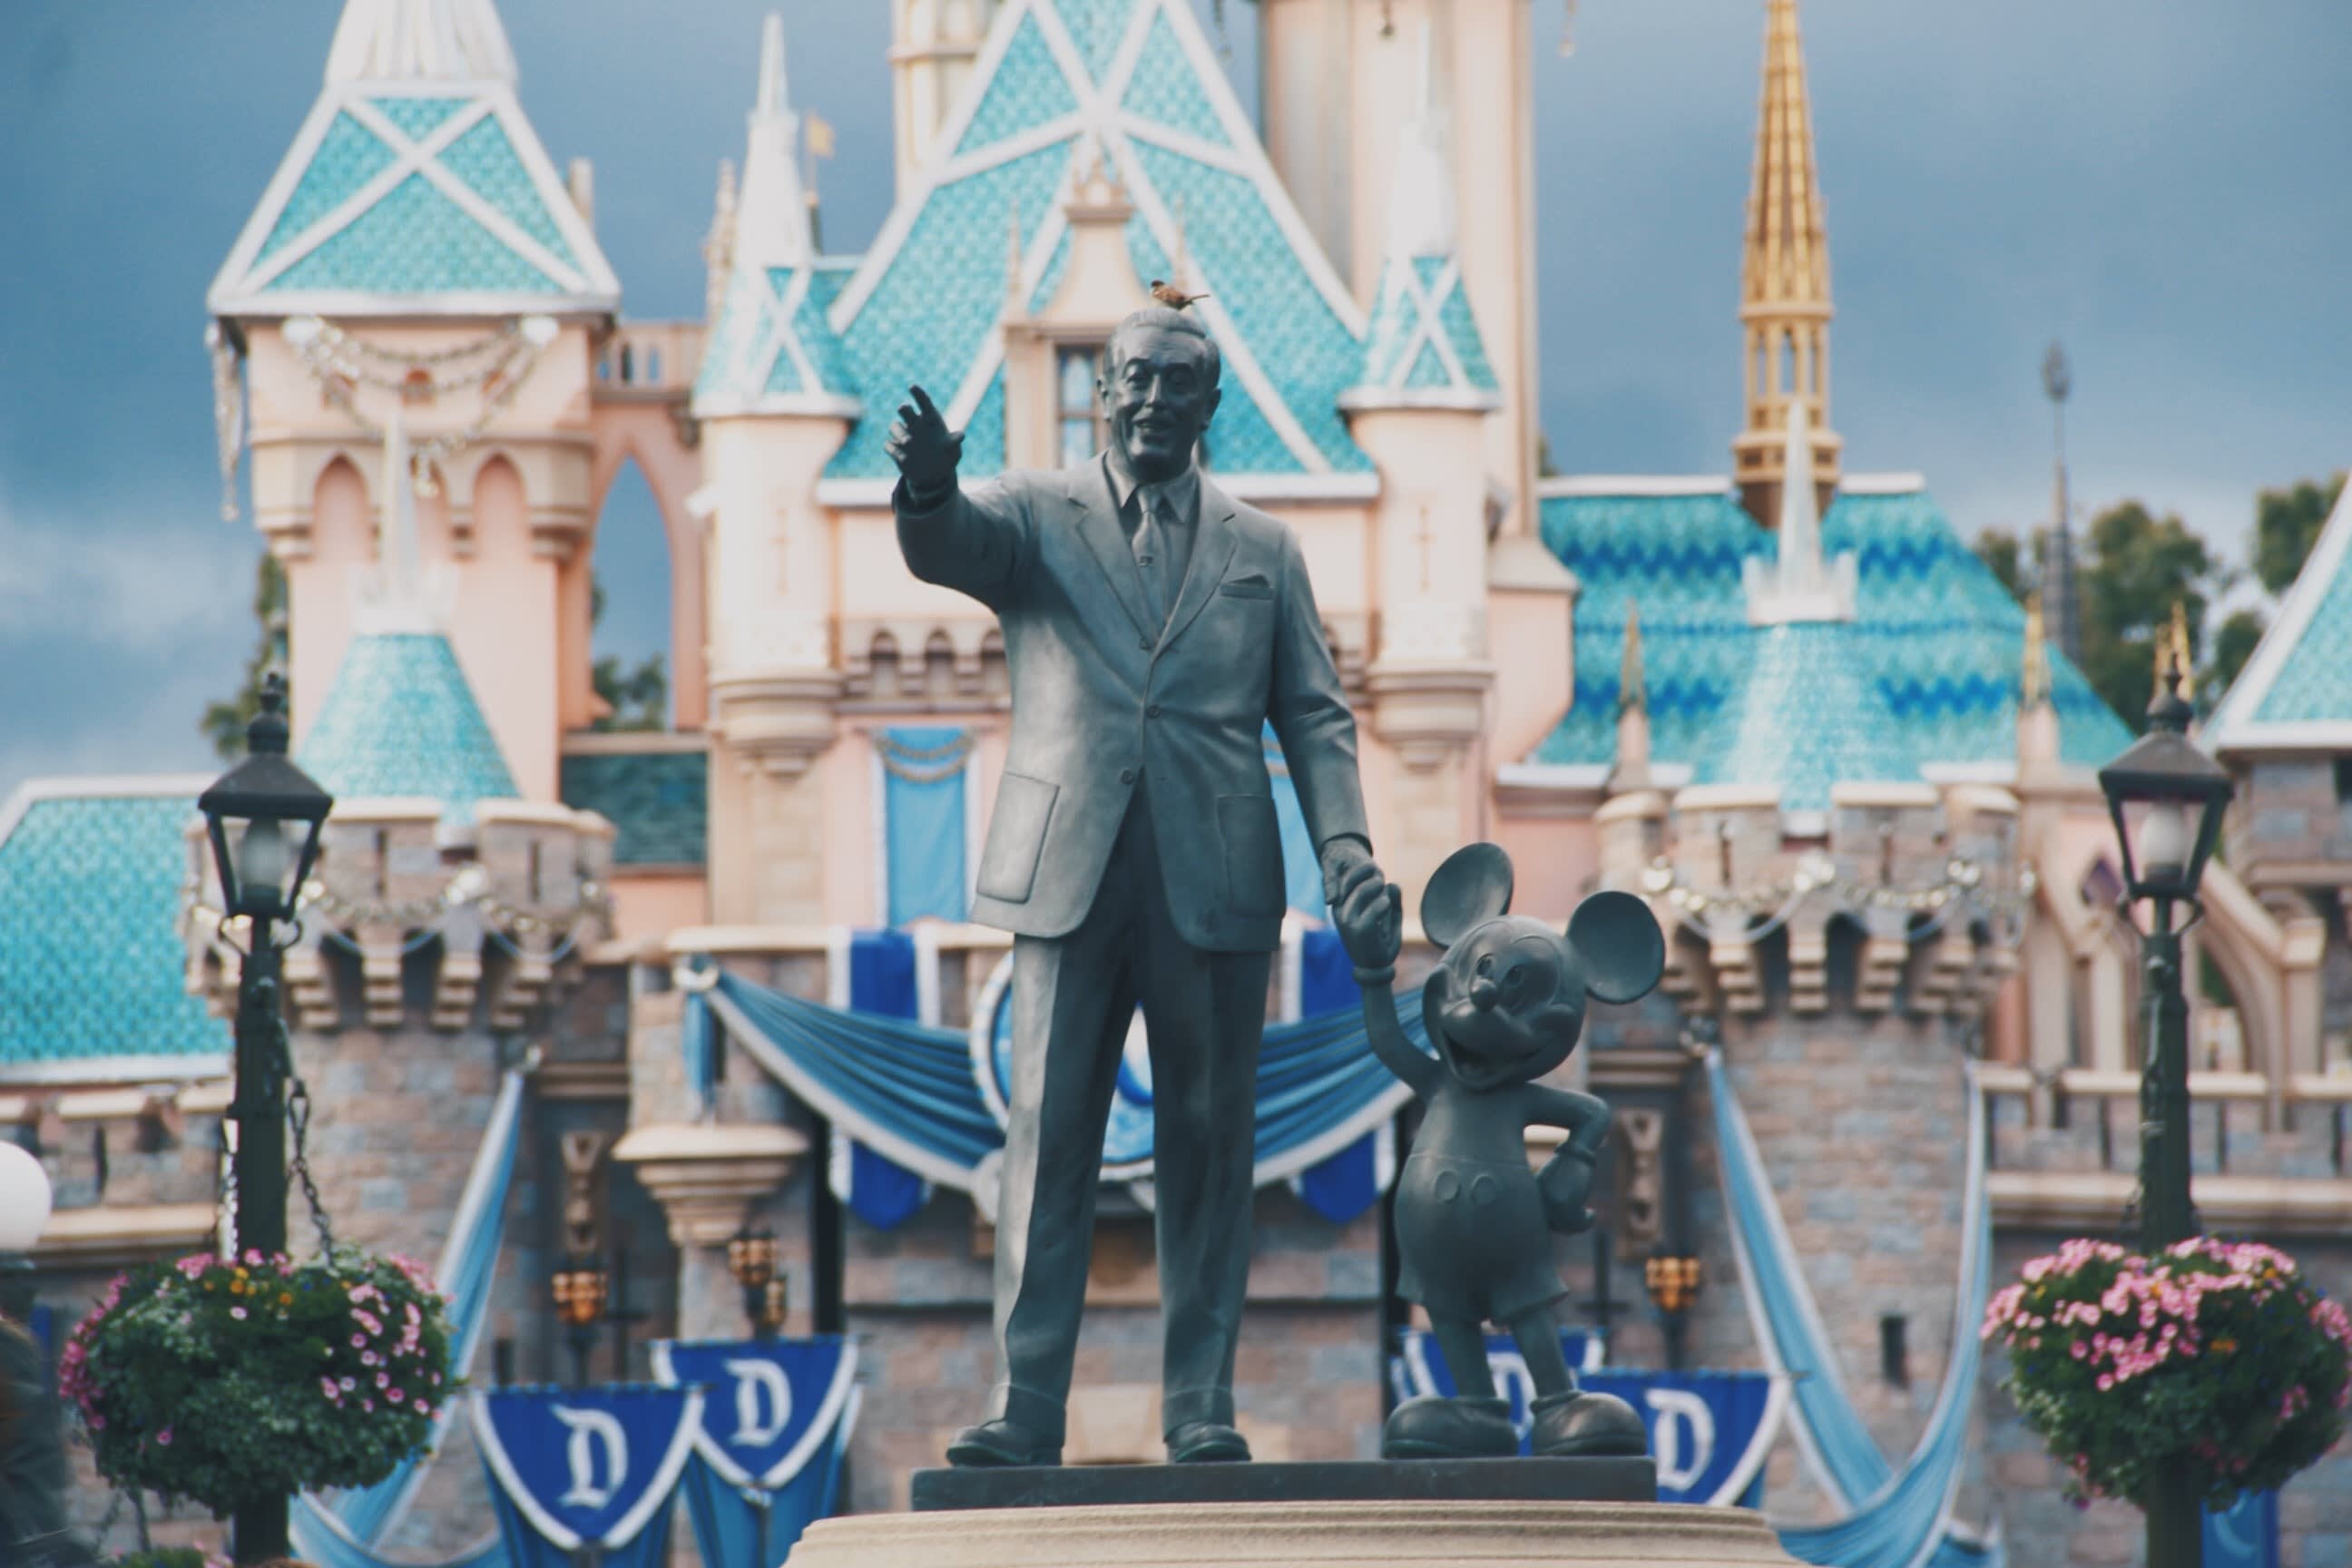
[1710, 1432]
[776, 1420]
[586, 1466]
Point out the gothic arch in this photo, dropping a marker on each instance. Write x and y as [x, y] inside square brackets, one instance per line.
[648, 435]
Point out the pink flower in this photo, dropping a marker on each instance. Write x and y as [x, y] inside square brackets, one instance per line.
[359, 1341]
[236, 1312]
[163, 1438]
[396, 1396]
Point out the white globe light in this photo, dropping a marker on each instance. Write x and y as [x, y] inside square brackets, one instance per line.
[24, 1198]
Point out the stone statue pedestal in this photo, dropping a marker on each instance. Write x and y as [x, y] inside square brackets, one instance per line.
[1478, 1513]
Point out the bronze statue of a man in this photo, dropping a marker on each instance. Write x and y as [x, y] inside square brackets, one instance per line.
[1152, 625]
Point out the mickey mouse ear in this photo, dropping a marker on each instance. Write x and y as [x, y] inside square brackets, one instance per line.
[1473, 887]
[1618, 945]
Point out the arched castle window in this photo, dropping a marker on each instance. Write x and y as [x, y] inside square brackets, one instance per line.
[630, 599]
[1080, 429]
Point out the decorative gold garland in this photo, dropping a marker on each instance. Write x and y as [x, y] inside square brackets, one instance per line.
[925, 764]
[1963, 879]
[515, 349]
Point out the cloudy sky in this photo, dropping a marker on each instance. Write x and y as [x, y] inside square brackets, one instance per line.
[2159, 182]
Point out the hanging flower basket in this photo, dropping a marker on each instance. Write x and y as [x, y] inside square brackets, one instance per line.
[2219, 1355]
[228, 1380]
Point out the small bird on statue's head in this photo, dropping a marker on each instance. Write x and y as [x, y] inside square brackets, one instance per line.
[1172, 297]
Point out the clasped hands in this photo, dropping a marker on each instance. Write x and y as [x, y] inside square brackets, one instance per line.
[1366, 906]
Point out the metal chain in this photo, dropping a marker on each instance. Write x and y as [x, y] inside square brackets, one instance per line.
[298, 1124]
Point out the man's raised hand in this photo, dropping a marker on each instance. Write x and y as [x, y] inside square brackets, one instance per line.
[925, 449]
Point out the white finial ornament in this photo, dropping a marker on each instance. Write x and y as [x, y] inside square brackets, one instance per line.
[1801, 585]
[772, 215]
[413, 40]
[1421, 199]
[397, 595]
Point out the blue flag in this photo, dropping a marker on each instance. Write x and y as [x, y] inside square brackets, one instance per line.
[776, 1421]
[1710, 1432]
[574, 1466]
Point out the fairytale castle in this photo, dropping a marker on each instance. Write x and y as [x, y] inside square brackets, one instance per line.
[1784, 703]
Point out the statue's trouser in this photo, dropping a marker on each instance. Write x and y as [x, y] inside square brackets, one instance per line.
[1073, 998]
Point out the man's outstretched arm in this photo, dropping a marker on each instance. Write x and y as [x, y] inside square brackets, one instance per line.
[975, 542]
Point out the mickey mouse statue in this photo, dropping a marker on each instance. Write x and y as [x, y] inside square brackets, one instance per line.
[1504, 1008]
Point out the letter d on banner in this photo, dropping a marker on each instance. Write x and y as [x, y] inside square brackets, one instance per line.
[760, 1383]
[591, 1429]
[1677, 1472]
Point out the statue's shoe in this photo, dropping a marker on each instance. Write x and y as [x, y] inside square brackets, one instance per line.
[1581, 1425]
[999, 1443]
[1205, 1443]
[1436, 1429]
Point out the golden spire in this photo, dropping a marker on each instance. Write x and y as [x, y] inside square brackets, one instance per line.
[1633, 685]
[2033, 678]
[2172, 660]
[1784, 301]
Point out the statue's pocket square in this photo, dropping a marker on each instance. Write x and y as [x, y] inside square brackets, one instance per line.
[1250, 587]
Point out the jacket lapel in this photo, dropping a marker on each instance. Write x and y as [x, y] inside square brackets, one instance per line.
[1212, 546]
[1097, 514]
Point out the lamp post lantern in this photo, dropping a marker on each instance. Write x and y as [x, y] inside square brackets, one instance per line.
[752, 1259]
[2166, 799]
[581, 1289]
[263, 817]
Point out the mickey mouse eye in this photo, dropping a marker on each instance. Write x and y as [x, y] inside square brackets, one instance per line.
[1486, 964]
[1515, 976]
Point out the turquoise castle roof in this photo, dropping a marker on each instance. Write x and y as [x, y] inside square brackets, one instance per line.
[773, 352]
[2295, 692]
[1057, 80]
[1935, 651]
[416, 197]
[1799, 717]
[1423, 348]
[401, 719]
[91, 966]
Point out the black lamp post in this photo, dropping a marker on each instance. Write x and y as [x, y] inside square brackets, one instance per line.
[2166, 798]
[264, 817]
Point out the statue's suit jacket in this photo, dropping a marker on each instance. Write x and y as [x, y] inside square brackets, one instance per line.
[1102, 698]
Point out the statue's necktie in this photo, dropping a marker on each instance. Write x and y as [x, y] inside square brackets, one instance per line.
[1152, 555]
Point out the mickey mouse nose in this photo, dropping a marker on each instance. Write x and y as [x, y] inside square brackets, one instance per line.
[1484, 994]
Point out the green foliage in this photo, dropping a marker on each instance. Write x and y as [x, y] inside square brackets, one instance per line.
[2214, 1354]
[2286, 525]
[225, 1382]
[638, 698]
[2137, 567]
[2233, 645]
[224, 722]
[2004, 556]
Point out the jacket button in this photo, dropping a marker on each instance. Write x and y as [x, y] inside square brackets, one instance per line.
[1152, 711]
[1126, 775]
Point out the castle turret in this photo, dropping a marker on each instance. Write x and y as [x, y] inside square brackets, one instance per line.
[934, 45]
[1784, 287]
[418, 255]
[1420, 408]
[775, 401]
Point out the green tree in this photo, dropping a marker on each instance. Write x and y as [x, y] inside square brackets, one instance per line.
[2234, 644]
[2137, 566]
[636, 698]
[224, 722]
[2286, 525]
[2004, 555]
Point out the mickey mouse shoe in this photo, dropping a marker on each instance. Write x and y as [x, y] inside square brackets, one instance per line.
[1436, 1429]
[1579, 1424]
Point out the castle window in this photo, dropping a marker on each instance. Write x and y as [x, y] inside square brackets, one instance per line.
[1077, 404]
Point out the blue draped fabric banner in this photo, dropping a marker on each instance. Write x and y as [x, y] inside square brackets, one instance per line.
[925, 821]
[931, 1100]
[1351, 1181]
[882, 983]
[2245, 1534]
[1894, 1518]
[574, 1467]
[1710, 1432]
[777, 1418]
